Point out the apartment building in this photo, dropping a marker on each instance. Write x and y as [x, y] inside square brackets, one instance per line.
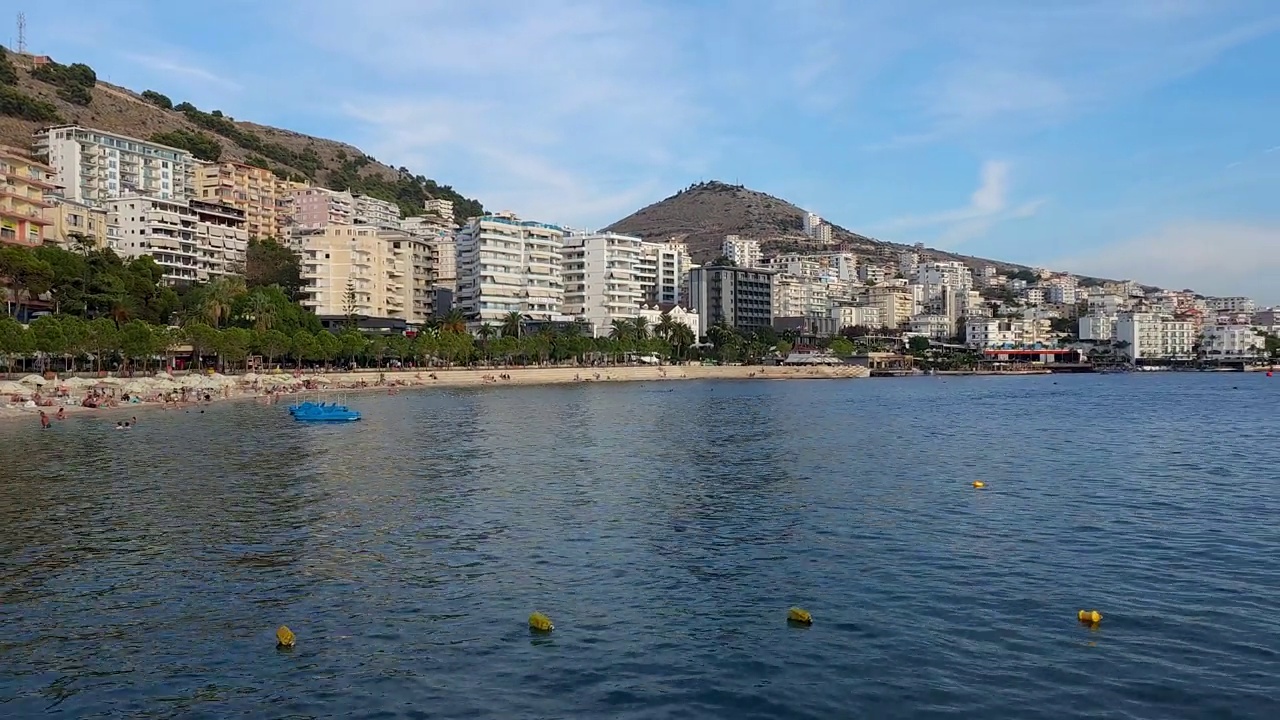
[163, 229]
[378, 213]
[1231, 342]
[857, 316]
[258, 193]
[872, 274]
[221, 240]
[743, 253]
[505, 265]
[600, 281]
[741, 297]
[24, 206]
[363, 271]
[95, 166]
[811, 224]
[908, 263]
[663, 271]
[442, 209]
[1231, 304]
[1097, 327]
[1006, 332]
[314, 208]
[800, 297]
[71, 222]
[1155, 337]
[951, 273]
[934, 327]
[896, 304]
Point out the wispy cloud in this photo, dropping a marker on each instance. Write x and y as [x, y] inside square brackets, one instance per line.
[567, 111]
[1212, 257]
[182, 70]
[988, 206]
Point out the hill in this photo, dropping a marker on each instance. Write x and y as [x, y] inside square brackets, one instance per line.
[702, 214]
[32, 97]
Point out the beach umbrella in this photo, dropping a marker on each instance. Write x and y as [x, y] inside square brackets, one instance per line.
[191, 381]
[8, 387]
[111, 381]
[33, 379]
[137, 387]
[249, 378]
[165, 385]
[322, 380]
[79, 382]
[162, 375]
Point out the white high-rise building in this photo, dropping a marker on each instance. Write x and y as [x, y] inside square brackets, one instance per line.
[95, 166]
[600, 283]
[952, 273]
[811, 224]
[378, 213]
[1227, 342]
[1231, 304]
[506, 265]
[1155, 337]
[663, 272]
[192, 243]
[743, 253]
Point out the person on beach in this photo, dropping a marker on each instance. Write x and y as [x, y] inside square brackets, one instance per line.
[44, 420]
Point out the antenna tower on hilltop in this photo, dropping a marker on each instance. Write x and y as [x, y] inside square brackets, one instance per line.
[22, 32]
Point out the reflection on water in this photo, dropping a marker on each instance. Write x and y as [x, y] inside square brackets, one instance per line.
[666, 528]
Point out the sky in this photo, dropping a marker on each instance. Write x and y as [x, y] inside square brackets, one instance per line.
[1135, 139]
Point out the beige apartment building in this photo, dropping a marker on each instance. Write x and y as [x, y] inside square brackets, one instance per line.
[387, 273]
[263, 197]
[24, 184]
[70, 220]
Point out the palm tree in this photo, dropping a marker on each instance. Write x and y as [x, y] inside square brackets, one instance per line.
[665, 327]
[486, 332]
[639, 329]
[219, 298]
[454, 321]
[681, 339]
[513, 324]
[262, 312]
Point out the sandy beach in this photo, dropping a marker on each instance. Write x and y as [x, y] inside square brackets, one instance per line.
[267, 385]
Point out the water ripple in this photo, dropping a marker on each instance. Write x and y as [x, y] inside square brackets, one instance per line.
[142, 574]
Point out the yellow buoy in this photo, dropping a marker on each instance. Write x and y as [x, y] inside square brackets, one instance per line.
[1093, 617]
[799, 615]
[979, 484]
[284, 636]
[540, 622]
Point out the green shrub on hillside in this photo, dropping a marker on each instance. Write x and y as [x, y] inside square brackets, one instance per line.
[157, 99]
[15, 103]
[74, 82]
[199, 144]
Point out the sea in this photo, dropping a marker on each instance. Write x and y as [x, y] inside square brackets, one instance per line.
[666, 528]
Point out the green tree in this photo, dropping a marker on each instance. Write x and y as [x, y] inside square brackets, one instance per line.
[304, 347]
[841, 347]
[353, 344]
[202, 146]
[349, 304]
[157, 99]
[137, 342]
[273, 343]
[15, 340]
[261, 311]
[102, 338]
[328, 346]
[919, 345]
[512, 324]
[28, 276]
[218, 298]
[47, 335]
[233, 345]
[203, 340]
[268, 263]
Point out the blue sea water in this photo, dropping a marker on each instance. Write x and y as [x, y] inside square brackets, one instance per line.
[666, 528]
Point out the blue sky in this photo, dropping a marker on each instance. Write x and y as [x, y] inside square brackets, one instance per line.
[1126, 138]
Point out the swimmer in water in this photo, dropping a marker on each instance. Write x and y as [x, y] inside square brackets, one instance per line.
[44, 421]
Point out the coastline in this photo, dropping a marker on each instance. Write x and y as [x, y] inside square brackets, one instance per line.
[418, 379]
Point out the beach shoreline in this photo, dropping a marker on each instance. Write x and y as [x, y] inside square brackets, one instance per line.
[427, 378]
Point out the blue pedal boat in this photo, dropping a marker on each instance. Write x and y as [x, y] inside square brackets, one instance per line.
[322, 412]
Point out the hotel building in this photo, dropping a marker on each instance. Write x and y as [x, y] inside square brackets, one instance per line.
[95, 166]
